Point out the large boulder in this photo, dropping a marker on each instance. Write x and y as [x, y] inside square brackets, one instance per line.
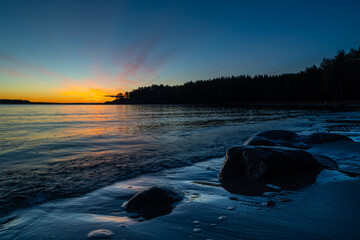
[152, 202]
[284, 138]
[263, 163]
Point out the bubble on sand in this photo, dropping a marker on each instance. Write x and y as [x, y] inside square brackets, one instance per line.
[197, 230]
[196, 222]
[100, 233]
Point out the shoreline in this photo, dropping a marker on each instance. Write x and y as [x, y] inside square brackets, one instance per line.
[316, 105]
[325, 209]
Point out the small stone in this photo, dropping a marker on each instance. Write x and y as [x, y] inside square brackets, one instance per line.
[231, 208]
[258, 208]
[197, 230]
[213, 225]
[100, 233]
[196, 222]
[222, 218]
[268, 204]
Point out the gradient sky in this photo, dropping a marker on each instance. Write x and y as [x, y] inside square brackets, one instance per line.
[79, 51]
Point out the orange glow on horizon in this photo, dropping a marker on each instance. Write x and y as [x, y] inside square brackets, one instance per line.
[64, 95]
[87, 95]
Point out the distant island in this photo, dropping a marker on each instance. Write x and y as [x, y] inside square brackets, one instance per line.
[335, 80]
[14, 101]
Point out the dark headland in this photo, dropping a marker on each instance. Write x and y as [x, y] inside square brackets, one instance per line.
[334, 83]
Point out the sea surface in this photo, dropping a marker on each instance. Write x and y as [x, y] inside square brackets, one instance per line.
[51, 152]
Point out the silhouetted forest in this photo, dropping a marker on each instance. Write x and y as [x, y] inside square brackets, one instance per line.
[336, 79]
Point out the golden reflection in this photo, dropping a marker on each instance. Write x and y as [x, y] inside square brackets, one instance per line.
[114, 219]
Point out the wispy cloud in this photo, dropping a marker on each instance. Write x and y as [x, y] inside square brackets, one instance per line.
[26, 65]
[142, 60]
[14, 73]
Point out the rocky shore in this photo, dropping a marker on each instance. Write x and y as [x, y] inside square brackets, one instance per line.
[295, 187]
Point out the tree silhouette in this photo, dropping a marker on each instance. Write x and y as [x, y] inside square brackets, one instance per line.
[335, 79]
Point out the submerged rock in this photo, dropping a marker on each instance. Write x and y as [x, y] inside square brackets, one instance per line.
[100, 233]
[284, 138]
[324, 137]
[153, 202]
[261, 163]
[280, 138]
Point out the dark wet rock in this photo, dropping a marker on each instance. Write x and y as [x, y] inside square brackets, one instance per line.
[326, 162]
[269, 203]
[250, 170]
[324, 137]
[259, 141]
[153, 202]
[101, 234]
[284, 138]
[281, 138]
[280, 135]
[260, 163]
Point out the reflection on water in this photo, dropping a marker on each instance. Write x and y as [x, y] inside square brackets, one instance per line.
[114, 219]
[55, 151]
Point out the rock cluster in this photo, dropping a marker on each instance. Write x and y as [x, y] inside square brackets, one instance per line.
[276, 156]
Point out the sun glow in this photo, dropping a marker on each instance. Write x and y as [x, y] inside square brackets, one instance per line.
[89, 95]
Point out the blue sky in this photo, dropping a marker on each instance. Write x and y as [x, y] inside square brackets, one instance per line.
[68, 51]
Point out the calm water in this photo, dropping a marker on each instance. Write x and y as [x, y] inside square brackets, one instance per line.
[56, 151]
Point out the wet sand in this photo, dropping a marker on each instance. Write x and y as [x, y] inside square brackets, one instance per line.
[326, 209]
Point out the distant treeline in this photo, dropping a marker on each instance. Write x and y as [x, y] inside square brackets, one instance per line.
[336, 79]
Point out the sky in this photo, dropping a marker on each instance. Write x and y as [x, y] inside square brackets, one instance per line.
[81, 51]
